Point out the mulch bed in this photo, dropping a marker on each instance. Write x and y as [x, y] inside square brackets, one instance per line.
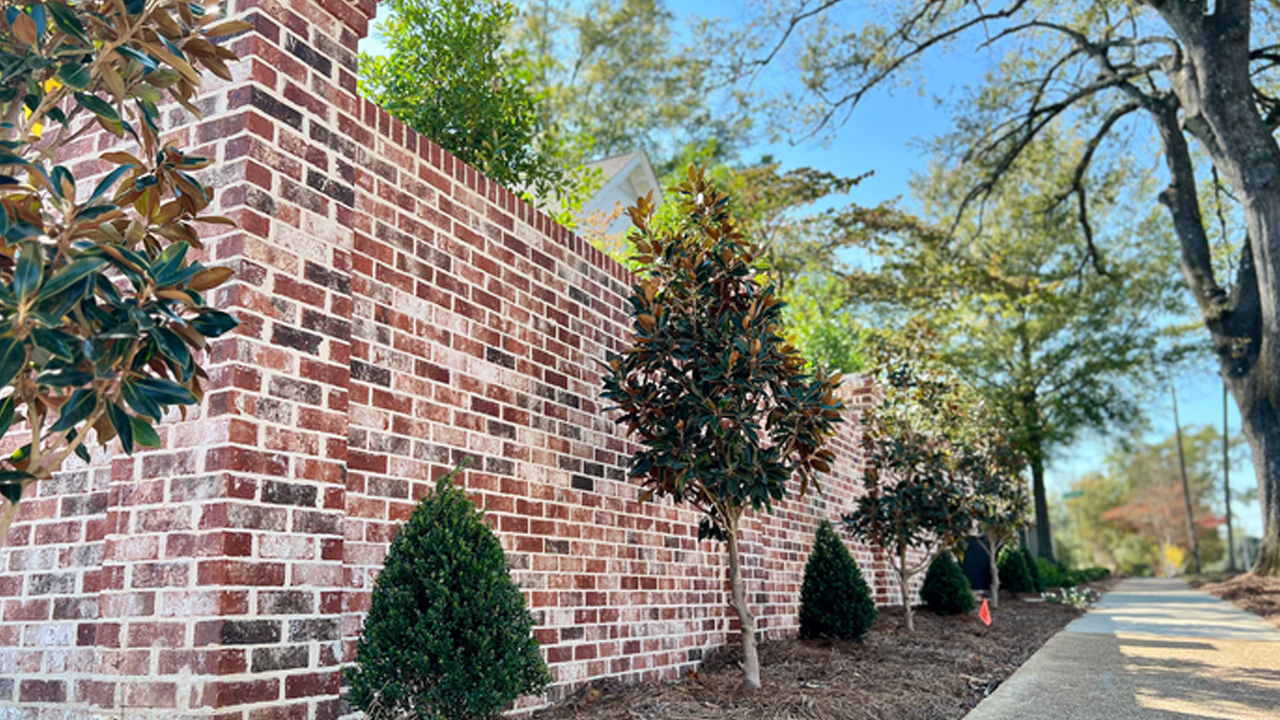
[942, 671]
[1258, 595]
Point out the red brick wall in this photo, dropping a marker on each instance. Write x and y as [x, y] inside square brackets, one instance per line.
[401, 313]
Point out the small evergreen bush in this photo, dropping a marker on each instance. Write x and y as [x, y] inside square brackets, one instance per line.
[1037, 582]
[448, 636]
[835, 601]
[1015, 576]
[946, 590]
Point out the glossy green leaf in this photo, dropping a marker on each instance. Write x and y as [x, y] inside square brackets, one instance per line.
[164, 392]
[11, 484]
[124, 427]
[175, 348]
[13, 356]
[6, 414]
[66, 20]
[144, 434]
[97, 106]
[214, 323]
[75, 76]
[58, 344]
[109, 181]
[77, 408]
[66, 377]
[138, 399]
[30, 268]
[74, 271]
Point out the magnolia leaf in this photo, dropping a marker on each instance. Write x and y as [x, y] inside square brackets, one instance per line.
[143, 433]
[120, 420]
[77, 408]
[30, 268]
[13, 356]
[97, 106]
[210, 278]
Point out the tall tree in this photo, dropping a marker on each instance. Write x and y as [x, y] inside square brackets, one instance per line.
[723, 407]
[615, 81]
[1194, 72]
[450, 76]
[1020, 310]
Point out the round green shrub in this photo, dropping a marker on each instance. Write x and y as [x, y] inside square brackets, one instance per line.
[946, 590]
[448, 636]
[1015, 576]
[1037, 582]
[835, 601]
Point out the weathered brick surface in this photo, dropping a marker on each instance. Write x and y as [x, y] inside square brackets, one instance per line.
[401, 314]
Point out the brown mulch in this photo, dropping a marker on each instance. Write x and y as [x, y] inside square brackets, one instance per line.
[942, 671]
[1256, 594]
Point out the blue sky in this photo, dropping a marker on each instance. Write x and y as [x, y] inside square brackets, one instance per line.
[884, 136]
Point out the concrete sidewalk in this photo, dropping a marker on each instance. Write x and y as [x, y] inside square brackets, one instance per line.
[1151, 649]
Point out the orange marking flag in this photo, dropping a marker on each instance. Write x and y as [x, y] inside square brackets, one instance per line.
[985, 612]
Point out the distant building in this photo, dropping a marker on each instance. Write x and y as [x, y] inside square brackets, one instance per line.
[623, 178]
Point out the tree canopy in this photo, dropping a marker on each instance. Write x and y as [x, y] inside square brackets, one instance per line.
[1198, 78]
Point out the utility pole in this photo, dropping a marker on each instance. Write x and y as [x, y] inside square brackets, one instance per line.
[1186, 487]
[1226, 479]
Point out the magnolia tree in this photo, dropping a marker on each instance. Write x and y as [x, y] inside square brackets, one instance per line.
[724, 408]
[916, 493]
[102, 315]
[993, 468]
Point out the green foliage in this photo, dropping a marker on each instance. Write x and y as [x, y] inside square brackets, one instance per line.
[1015, 575]
[102, 312]
[1089, 575]
[448, 76]
[722, 405]
[916, 492]
[448, 636]
[1082, 598]
[1052, 574]
[612, 81]
[946, 590]
[835, 601]
[918, 487]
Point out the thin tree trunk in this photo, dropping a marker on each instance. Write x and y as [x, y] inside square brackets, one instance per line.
[992, 548]
[905, 576]
[7, 515]
[1186, 485]
[746, 621]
